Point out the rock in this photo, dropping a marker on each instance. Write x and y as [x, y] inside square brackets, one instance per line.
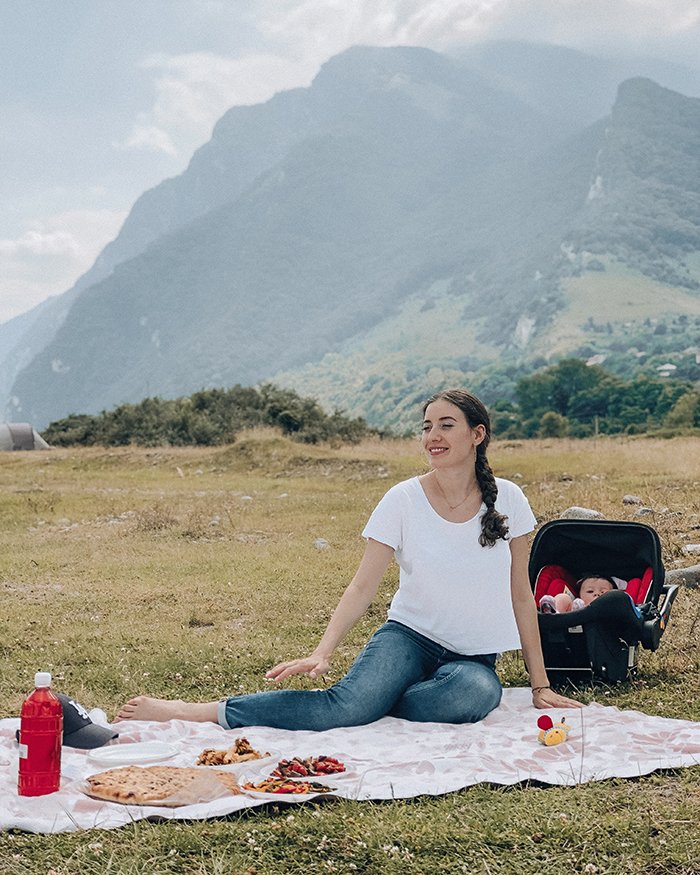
[63, 522]
[631, 499]
[689, 577]
[691, 548]
[581, 513]
[321, 544]
[644, 511]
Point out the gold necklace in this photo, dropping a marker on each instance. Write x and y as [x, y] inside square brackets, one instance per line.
[452, 506]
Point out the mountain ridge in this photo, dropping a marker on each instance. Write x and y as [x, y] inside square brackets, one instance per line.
[424, 199]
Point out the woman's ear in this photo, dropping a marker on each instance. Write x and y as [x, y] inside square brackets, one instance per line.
[479, 432]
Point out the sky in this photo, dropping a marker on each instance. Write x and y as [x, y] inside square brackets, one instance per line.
[102, 100]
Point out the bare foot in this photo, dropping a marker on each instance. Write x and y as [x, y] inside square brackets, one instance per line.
[162, 710]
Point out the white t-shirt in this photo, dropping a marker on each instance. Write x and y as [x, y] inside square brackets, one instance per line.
[451, 589]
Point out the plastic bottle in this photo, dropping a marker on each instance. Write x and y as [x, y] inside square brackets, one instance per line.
[40, 738]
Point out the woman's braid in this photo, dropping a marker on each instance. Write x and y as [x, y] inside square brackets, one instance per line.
[493, 523]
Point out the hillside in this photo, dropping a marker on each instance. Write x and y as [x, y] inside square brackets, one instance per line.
[406, 222]
[314, 252]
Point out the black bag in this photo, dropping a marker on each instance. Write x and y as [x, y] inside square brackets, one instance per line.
[599, 643]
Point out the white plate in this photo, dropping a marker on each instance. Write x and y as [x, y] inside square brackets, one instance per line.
[133, 754]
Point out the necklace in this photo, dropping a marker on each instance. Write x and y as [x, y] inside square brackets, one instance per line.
[452, 506]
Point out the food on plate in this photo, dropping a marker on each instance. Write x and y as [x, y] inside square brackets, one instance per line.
[284, 785]
[140, 785]
[299, 768]
[239, 752]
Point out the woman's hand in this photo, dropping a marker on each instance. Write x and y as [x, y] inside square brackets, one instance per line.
[313, 665]
[547, 698]
[354, 602]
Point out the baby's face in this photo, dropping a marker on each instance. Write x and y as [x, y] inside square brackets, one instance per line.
[593, 587]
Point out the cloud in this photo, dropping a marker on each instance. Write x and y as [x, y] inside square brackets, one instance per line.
[194, 90]
[50, 256]
[149, 137]
[336, 24]
[332, 25]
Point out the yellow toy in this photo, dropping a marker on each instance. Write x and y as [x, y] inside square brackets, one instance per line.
[552, 733]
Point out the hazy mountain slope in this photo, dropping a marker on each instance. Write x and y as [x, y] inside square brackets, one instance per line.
[644, 201]
[565, 83]
[318, 249]
[606, 263]
[23, 338]
[246, 141]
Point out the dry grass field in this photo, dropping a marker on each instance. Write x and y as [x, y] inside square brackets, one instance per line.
[188, 572]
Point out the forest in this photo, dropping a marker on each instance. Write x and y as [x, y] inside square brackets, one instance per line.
[575, 399]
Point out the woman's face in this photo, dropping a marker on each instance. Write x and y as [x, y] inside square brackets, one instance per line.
[447, 438]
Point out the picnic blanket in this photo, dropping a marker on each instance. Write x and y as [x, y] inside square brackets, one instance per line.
[389, 759]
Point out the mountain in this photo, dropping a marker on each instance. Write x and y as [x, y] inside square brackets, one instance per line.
[245, 142]
[607, 267]
[565, 83]
[317, 249]
[406, 221]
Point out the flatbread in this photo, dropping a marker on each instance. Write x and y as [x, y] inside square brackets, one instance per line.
[138, 786]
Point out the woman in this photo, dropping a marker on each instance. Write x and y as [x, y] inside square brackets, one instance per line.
[460, 538]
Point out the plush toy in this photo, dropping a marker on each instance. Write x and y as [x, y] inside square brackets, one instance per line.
[552, 733]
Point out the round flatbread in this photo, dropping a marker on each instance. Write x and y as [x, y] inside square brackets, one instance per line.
[138, 786]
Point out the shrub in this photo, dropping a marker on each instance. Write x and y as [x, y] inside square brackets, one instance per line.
[207, 418]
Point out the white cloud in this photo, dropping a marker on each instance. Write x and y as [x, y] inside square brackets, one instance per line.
[194, 90]
[335, 24]
[149, 137]
[331, 25]
[50, 256]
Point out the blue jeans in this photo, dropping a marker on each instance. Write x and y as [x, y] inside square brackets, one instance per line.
[400, 673]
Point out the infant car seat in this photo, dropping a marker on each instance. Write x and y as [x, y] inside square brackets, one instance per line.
[600, 642]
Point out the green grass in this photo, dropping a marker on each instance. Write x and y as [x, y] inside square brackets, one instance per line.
[114, 579]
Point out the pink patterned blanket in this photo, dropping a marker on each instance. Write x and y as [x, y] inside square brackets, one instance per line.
[388, 759]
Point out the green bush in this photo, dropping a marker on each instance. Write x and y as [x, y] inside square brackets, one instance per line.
[207, 418]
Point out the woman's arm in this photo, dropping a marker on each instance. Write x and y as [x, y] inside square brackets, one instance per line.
[526, 617]
[352, 605]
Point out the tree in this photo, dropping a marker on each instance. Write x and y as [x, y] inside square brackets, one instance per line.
[683, 412]
[553, 425]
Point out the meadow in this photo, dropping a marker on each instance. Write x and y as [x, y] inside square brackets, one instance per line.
[186, 573]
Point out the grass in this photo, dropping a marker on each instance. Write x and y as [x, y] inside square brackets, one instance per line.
[187, 572]
[620, 294]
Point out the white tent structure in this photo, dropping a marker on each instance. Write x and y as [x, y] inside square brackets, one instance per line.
[20, 436]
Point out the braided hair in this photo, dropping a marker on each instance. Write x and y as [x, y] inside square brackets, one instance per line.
[493, 523]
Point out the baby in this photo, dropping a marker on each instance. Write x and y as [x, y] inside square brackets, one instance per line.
[591, 587]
